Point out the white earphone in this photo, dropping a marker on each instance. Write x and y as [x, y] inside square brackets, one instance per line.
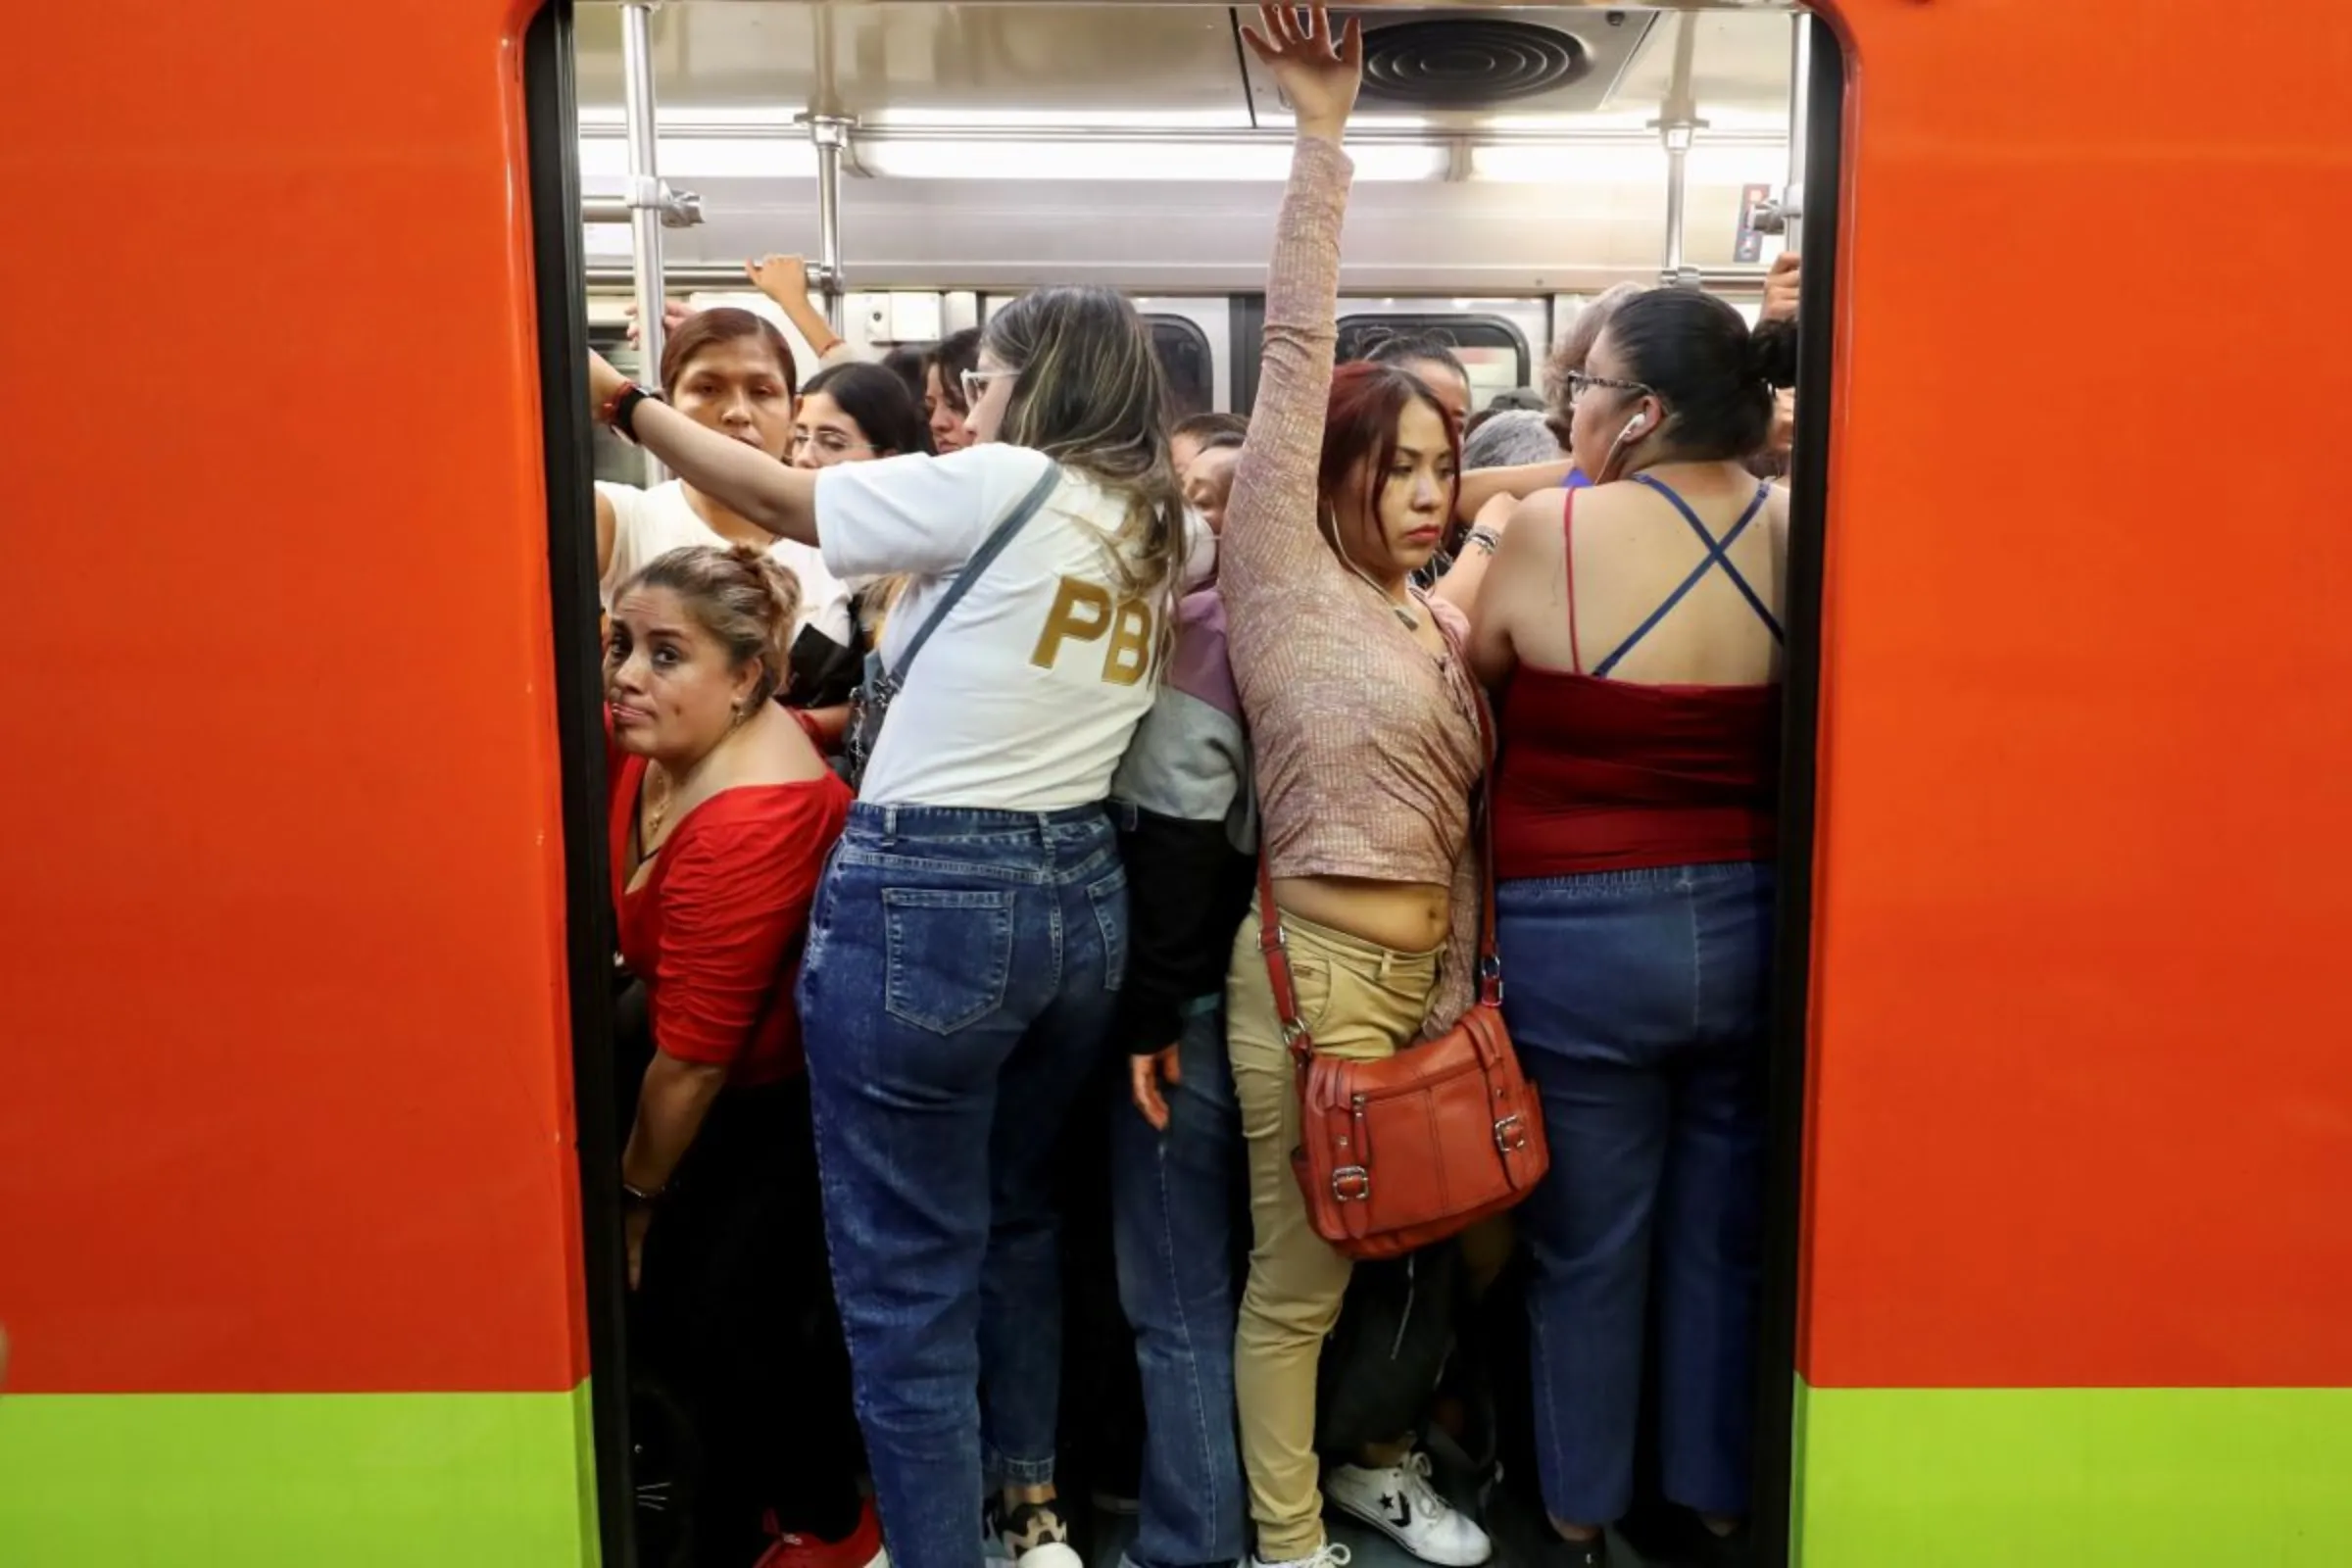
[1634, 427]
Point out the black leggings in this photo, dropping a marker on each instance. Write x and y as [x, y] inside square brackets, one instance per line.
[734, 1315]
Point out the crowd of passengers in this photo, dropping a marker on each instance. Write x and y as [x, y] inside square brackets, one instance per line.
[953, 703]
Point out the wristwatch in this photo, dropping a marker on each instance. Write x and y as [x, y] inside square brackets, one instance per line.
[620, 410]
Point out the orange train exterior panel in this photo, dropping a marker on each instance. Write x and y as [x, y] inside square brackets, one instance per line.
[286, 1104]
[2081, 1047]
[287, 1095]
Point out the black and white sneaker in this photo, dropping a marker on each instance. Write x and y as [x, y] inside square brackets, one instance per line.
[1035, 1537]
[1402, 1506]
[1330, 1554]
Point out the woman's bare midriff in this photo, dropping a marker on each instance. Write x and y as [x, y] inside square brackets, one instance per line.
[1402, 916]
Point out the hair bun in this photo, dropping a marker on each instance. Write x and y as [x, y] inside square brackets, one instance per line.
[1772, 352]
[778, 587]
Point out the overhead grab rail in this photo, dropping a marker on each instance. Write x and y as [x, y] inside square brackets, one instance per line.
[701, 278]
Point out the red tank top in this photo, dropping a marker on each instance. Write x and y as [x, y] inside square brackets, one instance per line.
[1603, 775]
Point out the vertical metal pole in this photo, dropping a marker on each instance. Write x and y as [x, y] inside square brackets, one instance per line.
[645, 179]
[829, 128]
[831, 133]
[1678, 175]
[1800, 130]
[1676, 123]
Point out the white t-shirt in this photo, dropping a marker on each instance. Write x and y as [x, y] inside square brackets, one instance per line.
[1026, 696]
[648, 525]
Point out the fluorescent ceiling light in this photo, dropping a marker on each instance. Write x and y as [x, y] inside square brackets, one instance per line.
[1247, 162]
[683, 160]
[615, 120]
[1611, 164]
[1722, 121]
[1059, 119]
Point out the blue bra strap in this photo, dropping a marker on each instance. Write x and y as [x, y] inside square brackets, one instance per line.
[1716, 556]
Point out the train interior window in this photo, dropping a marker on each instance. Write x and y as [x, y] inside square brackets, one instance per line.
[1185, 354]
[1493, 349]
[932, 161]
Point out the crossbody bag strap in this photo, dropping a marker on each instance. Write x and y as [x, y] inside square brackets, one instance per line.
[977, 568]
[1276, 949]
[1489, 961]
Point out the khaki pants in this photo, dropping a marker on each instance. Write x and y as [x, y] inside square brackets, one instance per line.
[1362, 1002]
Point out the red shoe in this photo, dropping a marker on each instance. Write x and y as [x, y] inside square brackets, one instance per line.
[861, 1548]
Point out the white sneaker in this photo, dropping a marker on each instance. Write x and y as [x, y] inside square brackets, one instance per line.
[1330, 1554]
[1033, 1536]
[1401, 1504]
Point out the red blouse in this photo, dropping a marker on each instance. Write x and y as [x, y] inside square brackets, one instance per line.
[716, 930]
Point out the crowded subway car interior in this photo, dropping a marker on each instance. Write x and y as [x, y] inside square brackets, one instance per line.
[547, 1076]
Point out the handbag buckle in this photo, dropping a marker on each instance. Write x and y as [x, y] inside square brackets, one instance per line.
[1510, 1135]
[1351, 1184]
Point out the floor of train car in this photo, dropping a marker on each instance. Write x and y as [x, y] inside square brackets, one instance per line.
[1517, 1532]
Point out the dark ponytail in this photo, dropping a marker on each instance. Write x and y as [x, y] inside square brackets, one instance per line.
[1715, 375]
[1772, 352]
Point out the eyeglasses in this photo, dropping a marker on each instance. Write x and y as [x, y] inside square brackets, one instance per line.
[975, 384]
[832, 443]
[1578, 384]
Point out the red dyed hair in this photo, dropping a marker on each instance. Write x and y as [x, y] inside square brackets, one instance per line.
[1359, 423]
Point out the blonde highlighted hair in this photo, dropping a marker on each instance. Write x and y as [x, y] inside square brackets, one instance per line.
[1091, 394]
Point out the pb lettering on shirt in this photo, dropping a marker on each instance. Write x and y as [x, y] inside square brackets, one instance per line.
[1026, 696]
[1085, 612]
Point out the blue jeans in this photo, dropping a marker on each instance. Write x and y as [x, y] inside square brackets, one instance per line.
[955, 998]
[1172, 1201]
[1638, 1000]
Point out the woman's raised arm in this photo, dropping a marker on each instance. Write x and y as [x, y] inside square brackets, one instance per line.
[1270, 535]
[759, 488]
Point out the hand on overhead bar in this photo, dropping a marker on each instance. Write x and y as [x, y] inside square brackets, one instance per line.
[1780, 288]
[782, 278]
[1317, 71]
[675, 314]
[785, 280]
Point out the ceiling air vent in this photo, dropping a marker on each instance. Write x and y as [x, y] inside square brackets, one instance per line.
[1467, 62]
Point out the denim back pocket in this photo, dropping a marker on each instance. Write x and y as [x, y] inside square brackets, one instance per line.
[1109, 899]
[949, 955]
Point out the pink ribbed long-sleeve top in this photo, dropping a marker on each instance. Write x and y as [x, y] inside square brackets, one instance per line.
[1367, 746]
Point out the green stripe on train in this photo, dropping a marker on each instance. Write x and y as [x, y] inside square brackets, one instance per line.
[2074, 1478]
[297, 1479]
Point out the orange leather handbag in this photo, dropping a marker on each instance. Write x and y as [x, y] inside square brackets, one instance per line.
[1397, 1153]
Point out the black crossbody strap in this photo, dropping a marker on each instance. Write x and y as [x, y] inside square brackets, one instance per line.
[977, 568]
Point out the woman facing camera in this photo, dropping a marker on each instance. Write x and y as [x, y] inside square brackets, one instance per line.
[722, 814]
